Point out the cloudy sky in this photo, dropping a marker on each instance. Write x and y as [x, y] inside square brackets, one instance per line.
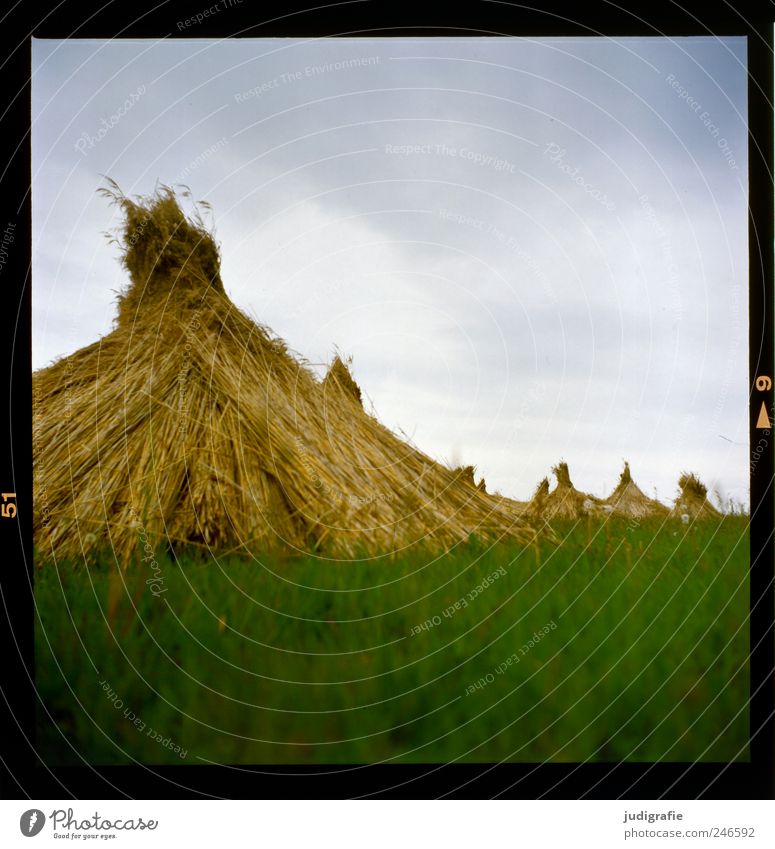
[534, 250]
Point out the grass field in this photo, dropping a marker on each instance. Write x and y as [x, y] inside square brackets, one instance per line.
[625, 642]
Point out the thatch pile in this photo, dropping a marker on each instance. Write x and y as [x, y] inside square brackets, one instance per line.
[564, 501]
[191, 424]
[692, 500]
[627, 499]
[338, 378]
[465, 474]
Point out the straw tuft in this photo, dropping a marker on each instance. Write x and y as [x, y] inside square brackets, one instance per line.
[564, 501]
[537, 503]
[465, 474]
[167, 254]
[340, 378]
[191, 424]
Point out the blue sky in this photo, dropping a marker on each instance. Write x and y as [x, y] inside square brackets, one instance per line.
[533, 249]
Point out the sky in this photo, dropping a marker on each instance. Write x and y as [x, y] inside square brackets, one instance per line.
[533, 250]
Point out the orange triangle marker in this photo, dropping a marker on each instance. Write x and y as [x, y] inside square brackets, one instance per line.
[764, 420]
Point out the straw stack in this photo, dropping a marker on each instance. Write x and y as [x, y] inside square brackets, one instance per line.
[692, 500]
[628, 499]
[564, 501]
[536, 507]
[190, 424]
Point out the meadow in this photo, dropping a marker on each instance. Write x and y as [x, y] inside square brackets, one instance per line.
[627, 641]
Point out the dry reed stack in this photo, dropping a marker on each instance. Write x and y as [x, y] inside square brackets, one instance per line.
[628, 500]
[536, 507]
[564, 501]
[192, 424]
[692, 500]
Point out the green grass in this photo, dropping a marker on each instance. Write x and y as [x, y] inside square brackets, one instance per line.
[296, 660]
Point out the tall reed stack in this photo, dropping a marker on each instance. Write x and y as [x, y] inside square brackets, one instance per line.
[191, 424]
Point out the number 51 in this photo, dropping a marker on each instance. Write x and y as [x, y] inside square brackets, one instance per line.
[6, 509]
